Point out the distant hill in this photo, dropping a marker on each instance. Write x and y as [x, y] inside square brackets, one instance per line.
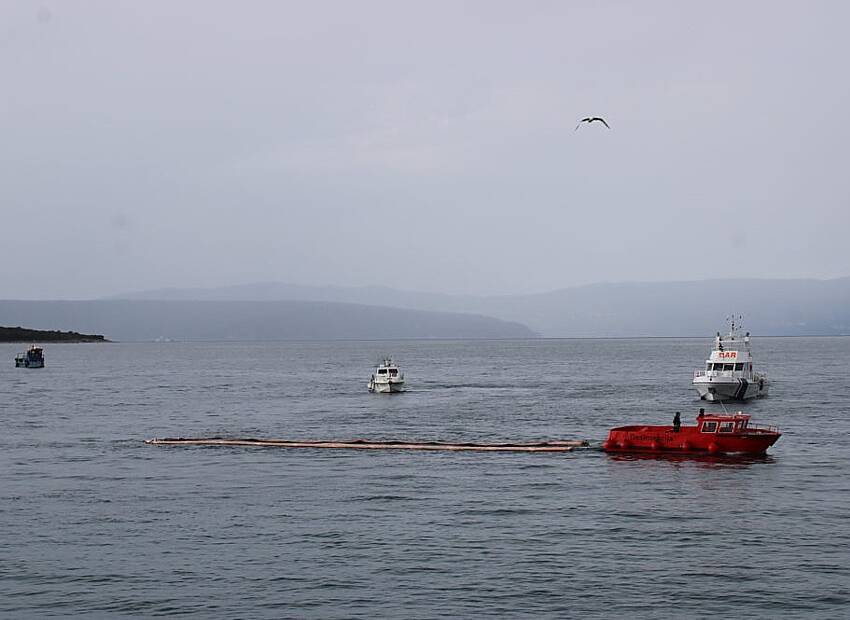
[279, 291]
[20, 334]
[696, 308]
[769, 307]
[146, 320]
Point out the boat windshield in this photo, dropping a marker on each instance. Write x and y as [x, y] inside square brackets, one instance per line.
[721, 367]
[739, 367]
[382, 371]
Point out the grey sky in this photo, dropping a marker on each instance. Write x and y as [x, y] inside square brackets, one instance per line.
[419, 145]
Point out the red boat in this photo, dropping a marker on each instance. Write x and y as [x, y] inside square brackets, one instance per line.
[713, 434]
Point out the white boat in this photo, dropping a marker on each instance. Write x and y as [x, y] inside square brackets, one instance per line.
[387, 378]
[728, 373]
[32, 358]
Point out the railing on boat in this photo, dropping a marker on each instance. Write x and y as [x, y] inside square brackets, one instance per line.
[718, 373]
[729, 373]
[761, 429]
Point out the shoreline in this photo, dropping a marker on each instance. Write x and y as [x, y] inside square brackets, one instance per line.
[19, 334]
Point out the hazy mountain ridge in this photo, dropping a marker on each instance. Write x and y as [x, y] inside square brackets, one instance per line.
[685, 308]
[144, 320]
[278, 291]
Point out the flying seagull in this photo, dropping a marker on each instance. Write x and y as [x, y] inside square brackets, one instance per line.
[591, 119]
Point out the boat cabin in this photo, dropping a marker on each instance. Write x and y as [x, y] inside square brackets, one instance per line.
[390, 371]
[723, 423]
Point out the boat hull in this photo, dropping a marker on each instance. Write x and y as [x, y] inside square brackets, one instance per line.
[381, 387]
[28, 364]
[688, 440]
[716, 389]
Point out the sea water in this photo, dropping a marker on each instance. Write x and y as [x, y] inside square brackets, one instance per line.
[94, 522]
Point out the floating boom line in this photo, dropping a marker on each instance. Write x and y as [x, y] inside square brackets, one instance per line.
[364, 444]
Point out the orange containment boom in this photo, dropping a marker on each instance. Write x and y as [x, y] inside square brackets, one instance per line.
[364, 444]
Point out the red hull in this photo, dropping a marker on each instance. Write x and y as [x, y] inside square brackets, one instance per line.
[741, 439]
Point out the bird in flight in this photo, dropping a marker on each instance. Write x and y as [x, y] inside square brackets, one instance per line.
[591, 119]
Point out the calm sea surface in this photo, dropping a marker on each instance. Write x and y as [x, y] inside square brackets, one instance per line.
[93, 522]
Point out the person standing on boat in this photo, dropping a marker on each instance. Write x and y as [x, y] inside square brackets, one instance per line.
[677, 422]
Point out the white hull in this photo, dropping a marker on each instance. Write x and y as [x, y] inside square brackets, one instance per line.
[384, 387]
[715, 389]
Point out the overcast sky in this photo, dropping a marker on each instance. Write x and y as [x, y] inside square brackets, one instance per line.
[419, 145]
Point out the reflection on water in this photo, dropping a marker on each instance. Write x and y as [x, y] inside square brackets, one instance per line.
[706, 460]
